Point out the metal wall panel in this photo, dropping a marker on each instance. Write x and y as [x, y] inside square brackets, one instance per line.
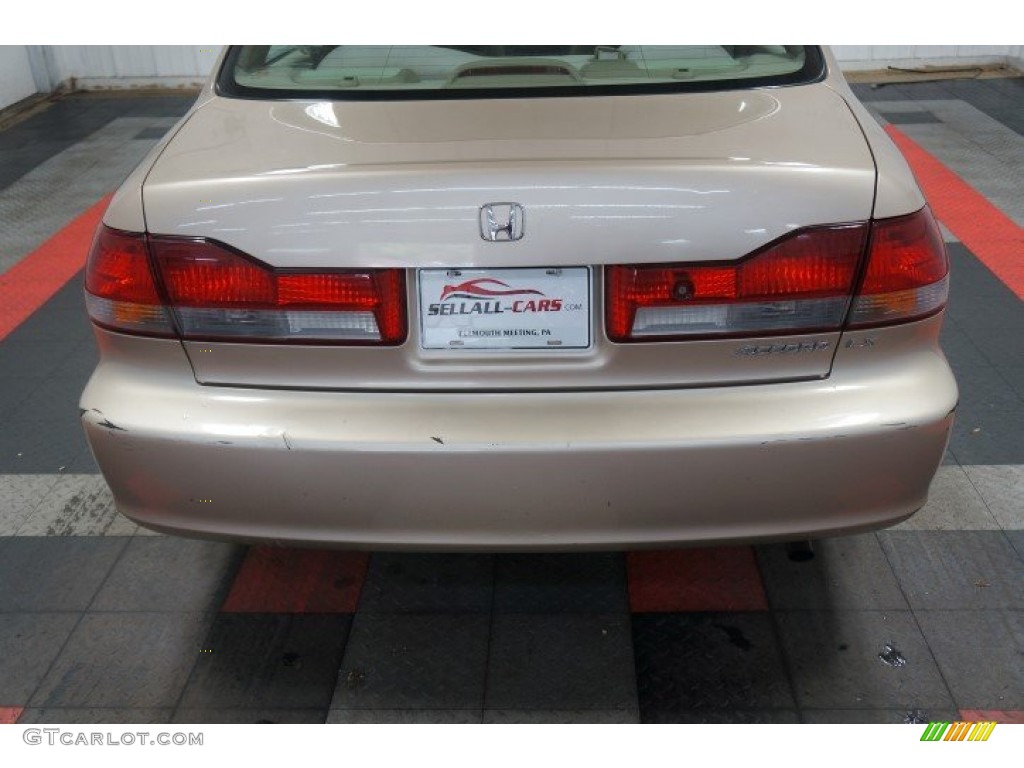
[16, 81]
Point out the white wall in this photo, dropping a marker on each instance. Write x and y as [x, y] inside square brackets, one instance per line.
[861, 57]
[128, 66]
[119, 66]
[16, 81]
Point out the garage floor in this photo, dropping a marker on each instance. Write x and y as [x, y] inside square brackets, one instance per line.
[103, 622]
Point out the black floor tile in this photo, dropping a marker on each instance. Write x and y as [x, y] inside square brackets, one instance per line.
[980, 654]
[428, 583]
[1001, 346]
[1017, 540]
[909, 118]
[404, 716]
[708, 661]
[414, 662]
[962, 353]
[169, 574]
[54, 573]
[835, 658]
[846, 572]
[68, 120]
[541, 716]
[39, 447]
[715, 716]
[561, 662]
[151, 134]
[880, 92]
[250, 716]
[956, 569]
[24, 358]
[989, 420]
[95, 716]
[567, 583]
[123, 660]
[917, 718]
[1014, 376]
[15, 390]
[82, 464]
[29, 642]
[279, 661]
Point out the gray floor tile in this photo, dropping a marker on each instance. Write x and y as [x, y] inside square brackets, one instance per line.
[250, 716]
[428, 583]
[55, 574]
[414, 662]
[979, 653]
[708, 661]
[129, 660]
[1002, 488]
[29, 642]
[561, 662]
[583, 716]
[560, 583]
[19, 497]
[846, 572]
[834, 660]
[954, 504]
[280, 661]
[956, 570]
[169, 575]
[95, 716]
[403, 716]
[76, 505]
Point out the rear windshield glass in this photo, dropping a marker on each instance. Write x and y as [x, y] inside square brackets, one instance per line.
[474, 71]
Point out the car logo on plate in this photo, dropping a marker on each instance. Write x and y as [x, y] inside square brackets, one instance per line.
[501, 222]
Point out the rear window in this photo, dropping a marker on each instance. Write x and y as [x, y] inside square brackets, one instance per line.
[495, 71]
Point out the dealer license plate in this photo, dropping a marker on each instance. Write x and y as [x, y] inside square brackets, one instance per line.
[545, 308]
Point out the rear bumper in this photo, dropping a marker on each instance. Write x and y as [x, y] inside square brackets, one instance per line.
[521, 471]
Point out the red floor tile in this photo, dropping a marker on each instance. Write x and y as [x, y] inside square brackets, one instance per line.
[274, 580]
[27, 285]
[999, 715]
[714, 579]
[9, 715]
[989, 233]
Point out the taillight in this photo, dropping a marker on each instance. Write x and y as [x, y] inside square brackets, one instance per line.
[801, 283]
[907, 274]
[120, 290]
[217, 294]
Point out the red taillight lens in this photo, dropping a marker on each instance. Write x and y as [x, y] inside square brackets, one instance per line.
[907, 272]
[216, 293]
[120, 290]
[798, 284]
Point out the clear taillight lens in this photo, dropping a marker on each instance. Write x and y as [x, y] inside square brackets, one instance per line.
[907, 275]
[214, 293]
[801, 283]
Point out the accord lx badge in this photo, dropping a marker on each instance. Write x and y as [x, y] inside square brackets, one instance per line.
[783, 349]
[501, 221]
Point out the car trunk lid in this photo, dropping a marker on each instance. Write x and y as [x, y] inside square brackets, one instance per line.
[599, 181]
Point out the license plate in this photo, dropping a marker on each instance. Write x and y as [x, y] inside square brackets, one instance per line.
[505, 308]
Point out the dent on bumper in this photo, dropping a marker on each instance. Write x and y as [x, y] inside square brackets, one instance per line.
[530, 471]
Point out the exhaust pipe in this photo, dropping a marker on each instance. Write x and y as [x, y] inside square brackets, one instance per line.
[800, 551]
